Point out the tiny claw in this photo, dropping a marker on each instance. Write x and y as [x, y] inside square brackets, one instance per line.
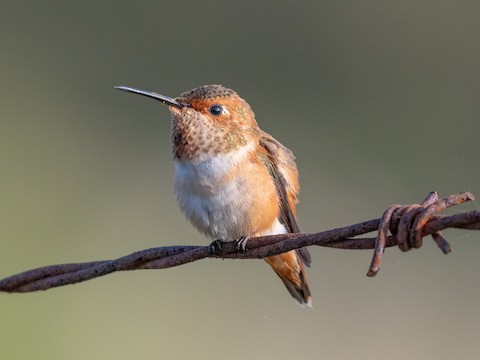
[215, 247]
[241, 243]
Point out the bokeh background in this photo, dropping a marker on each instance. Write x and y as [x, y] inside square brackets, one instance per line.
[379, 100]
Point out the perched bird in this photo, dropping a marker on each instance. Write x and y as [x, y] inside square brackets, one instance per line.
[234, 181]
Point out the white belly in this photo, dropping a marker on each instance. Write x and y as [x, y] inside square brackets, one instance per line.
[216, 207]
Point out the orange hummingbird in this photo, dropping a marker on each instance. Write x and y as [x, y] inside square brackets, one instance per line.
[234, 181]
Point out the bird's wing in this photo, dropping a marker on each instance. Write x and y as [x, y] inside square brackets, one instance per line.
[283, 170]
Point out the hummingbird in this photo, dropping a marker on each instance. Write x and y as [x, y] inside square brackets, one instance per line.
[234, 181]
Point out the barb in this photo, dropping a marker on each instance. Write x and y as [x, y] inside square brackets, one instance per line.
[424, 218]
[408, 230]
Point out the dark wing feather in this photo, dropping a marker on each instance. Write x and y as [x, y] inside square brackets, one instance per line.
[278, 156]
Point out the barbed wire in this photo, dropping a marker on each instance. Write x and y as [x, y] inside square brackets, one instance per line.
[401, 225]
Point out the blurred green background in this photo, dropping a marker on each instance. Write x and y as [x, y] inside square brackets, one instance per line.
[379, 100]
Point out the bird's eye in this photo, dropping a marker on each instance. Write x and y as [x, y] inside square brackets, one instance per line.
[216, 110]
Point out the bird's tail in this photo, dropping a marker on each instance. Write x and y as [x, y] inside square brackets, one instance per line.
[291, 270]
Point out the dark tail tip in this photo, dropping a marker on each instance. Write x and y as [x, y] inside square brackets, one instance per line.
[300, 293]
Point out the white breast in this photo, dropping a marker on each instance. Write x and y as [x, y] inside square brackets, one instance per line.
[214, 203]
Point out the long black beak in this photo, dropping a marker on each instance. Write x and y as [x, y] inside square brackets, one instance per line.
[163, 99]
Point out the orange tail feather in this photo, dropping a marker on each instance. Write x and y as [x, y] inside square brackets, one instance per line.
[291, 270]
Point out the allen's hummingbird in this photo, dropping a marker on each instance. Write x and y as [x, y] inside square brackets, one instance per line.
[234, 181]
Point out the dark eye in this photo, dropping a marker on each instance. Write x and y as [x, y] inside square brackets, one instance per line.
[216, 110]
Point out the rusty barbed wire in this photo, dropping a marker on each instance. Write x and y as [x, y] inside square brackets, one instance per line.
[407, 230]
[407, 225]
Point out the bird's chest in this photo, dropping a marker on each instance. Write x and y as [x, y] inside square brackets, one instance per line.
[217, 195]
[207, 185]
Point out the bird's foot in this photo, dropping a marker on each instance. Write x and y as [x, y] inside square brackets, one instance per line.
[241, 243]
[215, 247]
